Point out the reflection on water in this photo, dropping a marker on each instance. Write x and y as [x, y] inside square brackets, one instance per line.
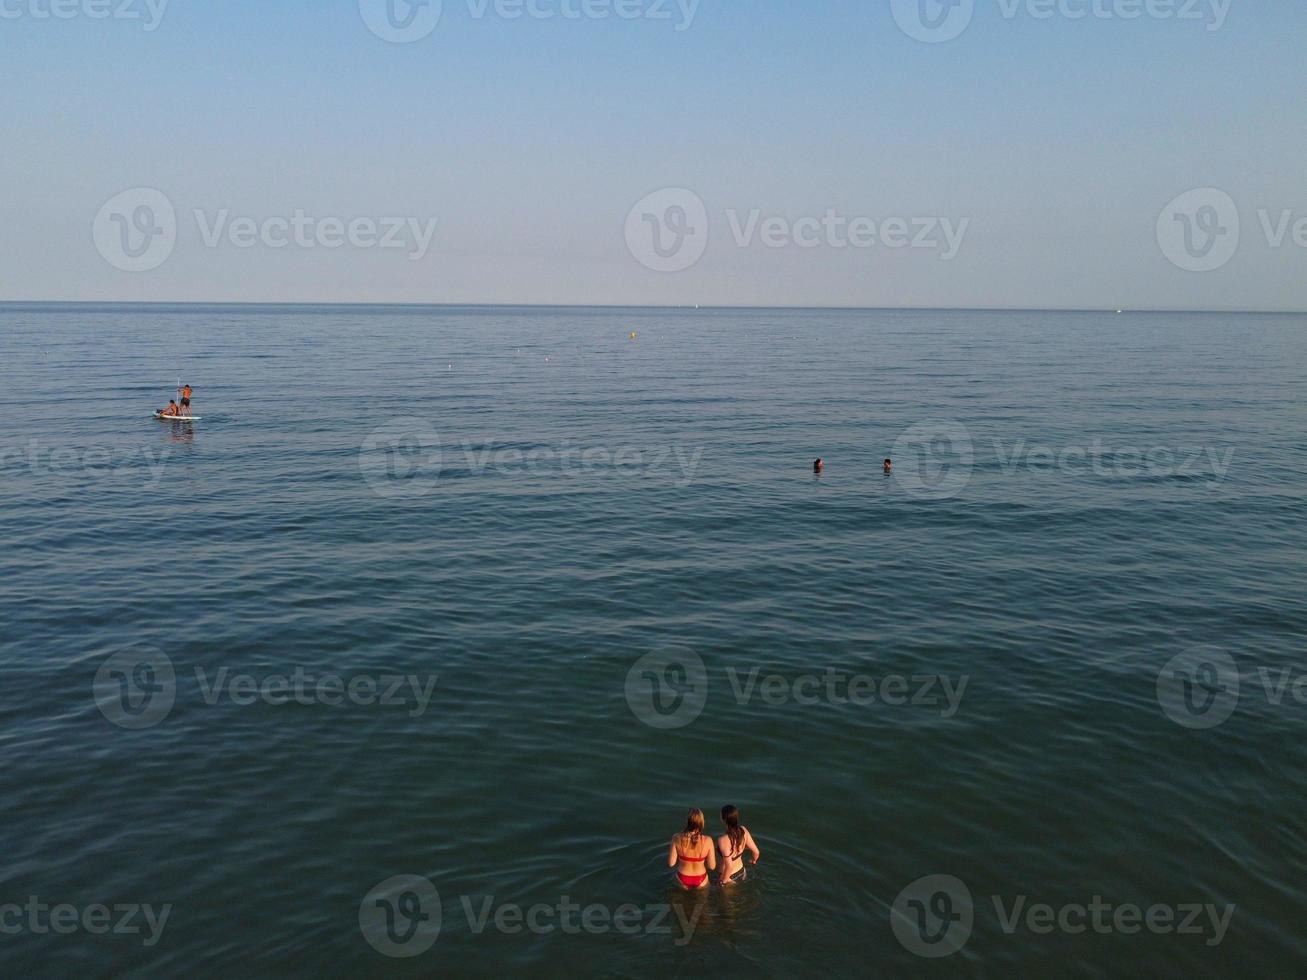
[182, 432]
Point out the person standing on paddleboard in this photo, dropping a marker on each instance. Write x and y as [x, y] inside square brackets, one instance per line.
[186, 400]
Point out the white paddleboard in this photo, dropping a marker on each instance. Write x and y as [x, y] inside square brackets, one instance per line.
[179, 418]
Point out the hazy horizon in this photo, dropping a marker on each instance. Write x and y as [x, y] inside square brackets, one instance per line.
[985, 154]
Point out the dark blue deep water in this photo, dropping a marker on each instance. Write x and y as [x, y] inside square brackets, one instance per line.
[1056, 658]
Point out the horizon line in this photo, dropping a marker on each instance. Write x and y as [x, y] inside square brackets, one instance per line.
[628, 306]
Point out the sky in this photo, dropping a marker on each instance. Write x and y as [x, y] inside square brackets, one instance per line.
[1082, 154]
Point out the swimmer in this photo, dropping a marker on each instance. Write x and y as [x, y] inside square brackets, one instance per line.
[889, 466]
[692, 854]
[733, 844]
[818, 465]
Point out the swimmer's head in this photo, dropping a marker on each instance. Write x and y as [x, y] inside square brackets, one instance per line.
[694, 822]
[818, 465]
[731, 821]
[889, 465]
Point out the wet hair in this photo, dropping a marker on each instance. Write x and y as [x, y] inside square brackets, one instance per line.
[731, 818]
[693, 827]
[889, 462]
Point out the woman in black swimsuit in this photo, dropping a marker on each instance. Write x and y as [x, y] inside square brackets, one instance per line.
[733, 844]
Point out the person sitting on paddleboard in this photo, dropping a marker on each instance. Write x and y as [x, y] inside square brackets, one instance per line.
[171, 410]
[186, 399]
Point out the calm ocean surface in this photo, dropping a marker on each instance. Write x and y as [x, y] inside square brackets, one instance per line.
[510, 508]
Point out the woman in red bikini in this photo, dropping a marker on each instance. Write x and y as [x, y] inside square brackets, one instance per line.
[692, 854]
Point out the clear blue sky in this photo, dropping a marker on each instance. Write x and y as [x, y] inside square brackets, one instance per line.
[1059, 140]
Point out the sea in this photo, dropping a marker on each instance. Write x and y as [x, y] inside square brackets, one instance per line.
[409, 657]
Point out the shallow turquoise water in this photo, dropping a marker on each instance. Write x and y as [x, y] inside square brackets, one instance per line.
[1077, 500]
